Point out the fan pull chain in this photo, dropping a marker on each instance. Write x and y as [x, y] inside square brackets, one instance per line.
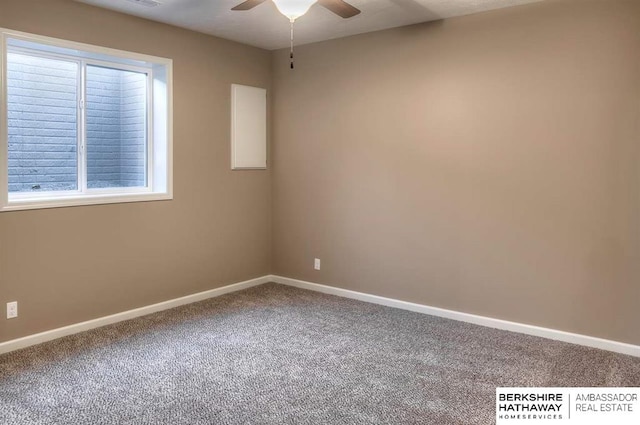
[291, 54]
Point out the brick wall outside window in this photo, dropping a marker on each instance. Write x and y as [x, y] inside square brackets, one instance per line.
[42, 112]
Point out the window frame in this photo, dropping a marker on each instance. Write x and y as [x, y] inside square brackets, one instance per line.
[159, 122]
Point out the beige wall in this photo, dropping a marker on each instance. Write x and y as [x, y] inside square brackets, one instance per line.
[488, 164]
[73, 264]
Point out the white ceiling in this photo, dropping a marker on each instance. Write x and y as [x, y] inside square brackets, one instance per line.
[265, 27]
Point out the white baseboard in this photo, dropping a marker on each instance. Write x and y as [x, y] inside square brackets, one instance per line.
[603, 344]
[39, 338]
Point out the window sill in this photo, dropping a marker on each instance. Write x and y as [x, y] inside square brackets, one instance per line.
[75, 201]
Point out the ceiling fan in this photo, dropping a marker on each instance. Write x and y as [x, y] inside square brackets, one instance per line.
[293, 9]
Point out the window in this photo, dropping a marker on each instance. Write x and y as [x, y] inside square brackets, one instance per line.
[82, 124]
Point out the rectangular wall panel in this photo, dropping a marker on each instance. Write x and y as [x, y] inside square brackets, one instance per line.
[248, 127]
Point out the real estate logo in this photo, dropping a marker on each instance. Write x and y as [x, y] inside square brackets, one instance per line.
[579, 406]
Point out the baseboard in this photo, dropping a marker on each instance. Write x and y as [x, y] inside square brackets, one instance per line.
[588, 341]
[39, 338]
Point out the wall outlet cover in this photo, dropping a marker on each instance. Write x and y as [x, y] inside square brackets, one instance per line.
[12, 310]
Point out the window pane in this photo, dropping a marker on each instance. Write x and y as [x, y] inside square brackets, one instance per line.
[42, 117]
[116, 128]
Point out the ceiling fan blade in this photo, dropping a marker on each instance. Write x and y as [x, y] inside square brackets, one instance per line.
[249, 4]
[339, 7]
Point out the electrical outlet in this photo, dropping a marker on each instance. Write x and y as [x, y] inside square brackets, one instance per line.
[316, 264]
[12, 310]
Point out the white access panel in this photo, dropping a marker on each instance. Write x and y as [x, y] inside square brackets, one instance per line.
[248, 127]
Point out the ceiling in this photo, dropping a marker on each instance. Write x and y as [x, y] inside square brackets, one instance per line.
[265, 27]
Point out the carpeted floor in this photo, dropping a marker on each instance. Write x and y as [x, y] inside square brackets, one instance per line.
[275, 354]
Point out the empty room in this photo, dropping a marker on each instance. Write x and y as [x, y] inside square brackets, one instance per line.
[320, 212]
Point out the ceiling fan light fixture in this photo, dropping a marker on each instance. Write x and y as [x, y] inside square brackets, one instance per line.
[293, 9]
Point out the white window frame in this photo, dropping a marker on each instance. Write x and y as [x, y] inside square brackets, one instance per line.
[159, 165]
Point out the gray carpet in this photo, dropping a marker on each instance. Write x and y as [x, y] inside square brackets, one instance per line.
[275, 354]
